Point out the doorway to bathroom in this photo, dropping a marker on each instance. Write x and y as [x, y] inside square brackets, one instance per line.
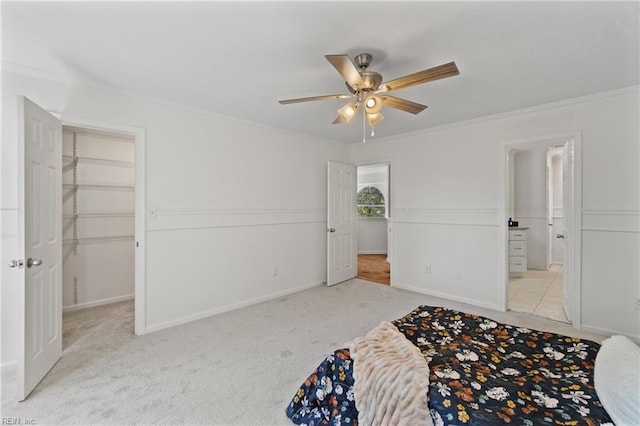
[542, 250]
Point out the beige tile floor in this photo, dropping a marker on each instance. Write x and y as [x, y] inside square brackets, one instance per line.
[539, 293]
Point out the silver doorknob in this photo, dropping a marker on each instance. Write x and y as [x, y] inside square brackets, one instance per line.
[33, 262]
[332, 229]
[560, 236]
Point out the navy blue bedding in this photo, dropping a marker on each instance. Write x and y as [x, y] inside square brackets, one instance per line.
[481, 372]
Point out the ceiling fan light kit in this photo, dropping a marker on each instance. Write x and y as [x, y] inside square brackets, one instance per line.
[367, 88]
[373, 104]
[347, 112]
[374, 118]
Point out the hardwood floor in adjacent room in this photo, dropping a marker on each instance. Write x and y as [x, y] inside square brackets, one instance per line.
[375, 268]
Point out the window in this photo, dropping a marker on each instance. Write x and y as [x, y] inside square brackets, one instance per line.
[371, 202]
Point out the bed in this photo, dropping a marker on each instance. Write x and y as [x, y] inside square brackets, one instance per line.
[476, 371]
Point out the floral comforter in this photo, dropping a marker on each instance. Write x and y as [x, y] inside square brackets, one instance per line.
[481, 372]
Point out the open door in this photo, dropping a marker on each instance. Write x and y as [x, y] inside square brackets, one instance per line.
[341, 223]
[567, 231]
[550, 235]
[40, 245]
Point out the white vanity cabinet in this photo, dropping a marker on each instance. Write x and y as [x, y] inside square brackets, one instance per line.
[517, 251]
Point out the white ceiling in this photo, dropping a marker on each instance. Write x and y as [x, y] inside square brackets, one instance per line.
[239, 58]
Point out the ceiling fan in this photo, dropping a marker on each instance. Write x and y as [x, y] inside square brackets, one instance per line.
[366, 87]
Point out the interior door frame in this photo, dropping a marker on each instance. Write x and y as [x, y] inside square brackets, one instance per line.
[574, 248]
[140, 252]
[390, 203]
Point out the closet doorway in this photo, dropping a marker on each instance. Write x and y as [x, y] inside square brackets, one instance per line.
[374, 224]
[99, 230]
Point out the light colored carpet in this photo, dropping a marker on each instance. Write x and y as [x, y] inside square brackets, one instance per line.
[241, 367]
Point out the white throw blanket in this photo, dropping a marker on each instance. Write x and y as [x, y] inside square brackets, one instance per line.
[391, 379]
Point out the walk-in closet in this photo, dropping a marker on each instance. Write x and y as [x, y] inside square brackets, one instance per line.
[98, 226]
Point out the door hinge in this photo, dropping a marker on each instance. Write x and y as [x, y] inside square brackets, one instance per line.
[16, 263]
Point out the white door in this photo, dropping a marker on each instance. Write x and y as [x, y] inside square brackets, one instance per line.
[341, 223]
[40, 245]
[567, 232]
[550, 235]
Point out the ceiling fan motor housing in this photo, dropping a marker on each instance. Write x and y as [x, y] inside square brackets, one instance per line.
[371, 82]
[363, 60]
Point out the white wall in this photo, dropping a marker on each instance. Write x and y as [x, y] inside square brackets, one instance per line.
[446, 201]
[234, 201]
[100, 268]
[372, 235]
[530, 201]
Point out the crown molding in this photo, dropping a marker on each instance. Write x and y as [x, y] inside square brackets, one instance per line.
[45, 75]
[509, 114]
[60, 79]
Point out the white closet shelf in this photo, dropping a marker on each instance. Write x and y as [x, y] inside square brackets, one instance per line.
[100, 161]
[98, 215]
[98, 240]
[98, 187]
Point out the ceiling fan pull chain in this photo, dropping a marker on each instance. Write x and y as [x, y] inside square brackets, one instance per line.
[364, 126]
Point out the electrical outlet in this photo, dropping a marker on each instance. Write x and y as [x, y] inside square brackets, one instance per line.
[274, 271]
[459, 273]
[427, 269]
[638, 305]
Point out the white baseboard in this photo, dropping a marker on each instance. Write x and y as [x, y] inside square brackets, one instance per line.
[472, 302]
[95, 303]
[372, 252]
[227, 308]
[607, 332]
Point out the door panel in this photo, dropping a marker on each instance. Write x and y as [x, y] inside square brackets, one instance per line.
[40, 244]
[341, 223]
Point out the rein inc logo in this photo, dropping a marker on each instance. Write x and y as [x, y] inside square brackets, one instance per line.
[17, 421]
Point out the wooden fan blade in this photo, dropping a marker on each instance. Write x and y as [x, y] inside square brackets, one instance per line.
[432, 74]
[347, 70]
[314, 98]
[403, 104]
